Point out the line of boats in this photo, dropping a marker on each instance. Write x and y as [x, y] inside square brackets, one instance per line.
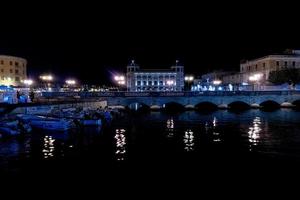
[59, 120]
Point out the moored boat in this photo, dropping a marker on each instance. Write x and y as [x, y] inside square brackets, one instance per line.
[47, 123]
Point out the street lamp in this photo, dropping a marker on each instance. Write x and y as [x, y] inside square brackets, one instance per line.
[70, 82]
[120, 80]
[217, 82]
[255, 78]
[28, 82]
[189, 79]
[47, 79]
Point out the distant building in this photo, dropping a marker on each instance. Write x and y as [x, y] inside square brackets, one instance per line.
[140, 80]
[13, 70]
[263, 66]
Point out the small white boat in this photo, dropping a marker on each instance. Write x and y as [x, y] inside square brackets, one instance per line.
[91, 122]
[47, 123]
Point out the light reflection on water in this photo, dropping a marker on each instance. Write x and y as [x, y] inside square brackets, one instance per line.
[188, 140]
[170, 128]
[120, 140]
[254, 132]
[49, 147]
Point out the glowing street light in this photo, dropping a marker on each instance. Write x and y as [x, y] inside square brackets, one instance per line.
[28, 82]
[188, 78]
[46, 77]
[255, 79]
[70, 82]
[120, 79]
[217, 82]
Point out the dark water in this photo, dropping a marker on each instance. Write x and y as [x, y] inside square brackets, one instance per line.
[193, 145]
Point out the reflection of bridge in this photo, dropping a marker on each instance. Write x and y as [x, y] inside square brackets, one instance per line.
[221, 99]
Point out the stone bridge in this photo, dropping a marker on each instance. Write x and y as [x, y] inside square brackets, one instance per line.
[156, 100]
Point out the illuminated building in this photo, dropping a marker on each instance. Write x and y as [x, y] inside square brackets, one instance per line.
[263, 66]
[12, 70]
[139, 80]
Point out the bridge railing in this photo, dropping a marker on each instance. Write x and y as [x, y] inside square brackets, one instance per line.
[78, 95]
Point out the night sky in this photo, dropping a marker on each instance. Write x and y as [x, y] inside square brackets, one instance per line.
[92, 41]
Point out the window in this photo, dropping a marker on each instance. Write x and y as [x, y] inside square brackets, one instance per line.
[10, 62]
[144, 83]
[294, 63]
[255, 67]
[2, 78]
[277, 63]
[139, 83]
[149, 82]
[160, 82]
[17, 79]
[11, 71]
[285, 63]
[155, 82]
[2, 62]
[16, 71]
[264, 65]
[16, 64]
[2, 70]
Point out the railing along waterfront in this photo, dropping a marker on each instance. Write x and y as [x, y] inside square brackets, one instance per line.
[80, 95]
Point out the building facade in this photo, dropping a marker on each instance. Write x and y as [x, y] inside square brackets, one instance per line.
[140, 80]
[13, 70]
[262, 67]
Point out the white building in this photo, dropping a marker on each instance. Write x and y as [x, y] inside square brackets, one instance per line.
[139, 80]
[261, 67]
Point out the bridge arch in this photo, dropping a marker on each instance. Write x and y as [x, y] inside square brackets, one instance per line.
[296, 103]
[270, 104]
[239, 105]
[173, 106]
[206, 105]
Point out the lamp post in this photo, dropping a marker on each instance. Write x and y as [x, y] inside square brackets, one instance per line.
[28, 82]
[120, 80]
[46, 79]
[70, 83]
[255, 78]
[188, 79]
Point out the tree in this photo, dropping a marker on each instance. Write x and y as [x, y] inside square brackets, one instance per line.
[290, 76]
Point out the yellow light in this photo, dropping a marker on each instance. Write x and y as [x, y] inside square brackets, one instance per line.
[70, 82]
[217, 82]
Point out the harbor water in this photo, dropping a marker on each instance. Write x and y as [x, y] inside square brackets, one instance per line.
[189, 144]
